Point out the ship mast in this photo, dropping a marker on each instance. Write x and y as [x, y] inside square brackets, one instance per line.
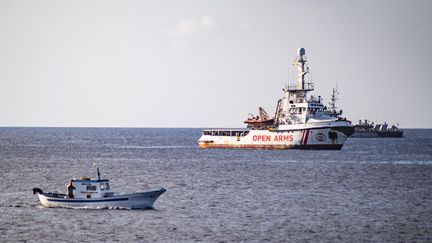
[332, 103]
[297, 92]
[302, 69]
[289, 107]
[333, 99]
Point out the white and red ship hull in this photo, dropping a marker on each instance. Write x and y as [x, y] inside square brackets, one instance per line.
[331, 138]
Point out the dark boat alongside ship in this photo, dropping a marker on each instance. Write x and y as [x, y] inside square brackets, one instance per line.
[368, 129]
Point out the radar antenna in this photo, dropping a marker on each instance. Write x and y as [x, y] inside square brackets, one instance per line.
[332, 103]
[97, 164]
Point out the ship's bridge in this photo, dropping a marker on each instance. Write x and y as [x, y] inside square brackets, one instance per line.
[314, 105]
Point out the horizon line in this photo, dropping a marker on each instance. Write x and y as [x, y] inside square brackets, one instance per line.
[153, 127]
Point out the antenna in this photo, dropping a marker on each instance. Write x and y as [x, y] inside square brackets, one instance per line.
[97, 164]
[333, 99]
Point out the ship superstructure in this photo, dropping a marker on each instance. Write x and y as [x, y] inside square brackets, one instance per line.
[300, 121]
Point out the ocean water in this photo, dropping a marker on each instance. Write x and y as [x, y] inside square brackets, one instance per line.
[377, 189]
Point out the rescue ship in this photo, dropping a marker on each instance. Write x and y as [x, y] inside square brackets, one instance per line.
[300, 121]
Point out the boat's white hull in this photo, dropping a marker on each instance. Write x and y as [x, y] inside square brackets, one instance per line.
[136, 200]
[331, 138]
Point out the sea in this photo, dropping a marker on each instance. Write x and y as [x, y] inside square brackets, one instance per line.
[373, 190]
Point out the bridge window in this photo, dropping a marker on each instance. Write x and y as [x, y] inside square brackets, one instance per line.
[91, 188]
[104, 186]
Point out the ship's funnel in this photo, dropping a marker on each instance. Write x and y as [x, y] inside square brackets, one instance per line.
[301, 52]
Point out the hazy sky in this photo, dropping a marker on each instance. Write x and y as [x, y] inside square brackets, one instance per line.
[209, 63]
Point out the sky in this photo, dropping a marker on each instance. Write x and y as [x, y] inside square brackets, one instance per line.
[209, 64]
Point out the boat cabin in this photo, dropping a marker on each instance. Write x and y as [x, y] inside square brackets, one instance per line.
[91, 188]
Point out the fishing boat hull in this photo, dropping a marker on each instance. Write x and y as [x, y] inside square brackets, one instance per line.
[141, 200]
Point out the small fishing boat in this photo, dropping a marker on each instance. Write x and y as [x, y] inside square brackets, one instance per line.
[96, 193]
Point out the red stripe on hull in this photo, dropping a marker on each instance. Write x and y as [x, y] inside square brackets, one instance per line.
[303, 135]
[306, 137]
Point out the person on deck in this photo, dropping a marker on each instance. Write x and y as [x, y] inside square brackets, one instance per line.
[70, 189]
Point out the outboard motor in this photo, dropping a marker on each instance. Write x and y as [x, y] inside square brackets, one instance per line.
[37, 191]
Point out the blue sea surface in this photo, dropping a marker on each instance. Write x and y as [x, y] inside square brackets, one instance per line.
[374, 189]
